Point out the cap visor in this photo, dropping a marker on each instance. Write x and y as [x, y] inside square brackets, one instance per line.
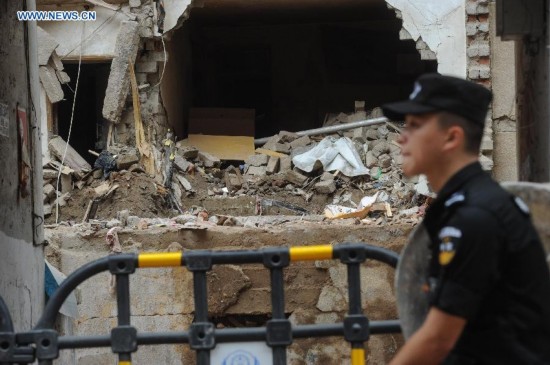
[398, 110]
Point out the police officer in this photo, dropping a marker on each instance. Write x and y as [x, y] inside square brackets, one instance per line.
[488, 282]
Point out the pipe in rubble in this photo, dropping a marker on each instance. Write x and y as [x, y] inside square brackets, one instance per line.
[332, 128]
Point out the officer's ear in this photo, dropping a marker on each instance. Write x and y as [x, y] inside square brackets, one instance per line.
[454, 138]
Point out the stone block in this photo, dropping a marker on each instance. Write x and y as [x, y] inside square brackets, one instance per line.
[295, 177]
[62, 77]
[484, 27]
[300, 142]
[257, 160]
[273, 165]
[325, 187]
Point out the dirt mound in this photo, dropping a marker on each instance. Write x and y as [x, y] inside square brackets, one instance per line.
[136, 192]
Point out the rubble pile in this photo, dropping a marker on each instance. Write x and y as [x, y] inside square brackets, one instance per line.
[348, 174]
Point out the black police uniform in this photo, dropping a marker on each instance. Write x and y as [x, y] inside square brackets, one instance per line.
[488, 266]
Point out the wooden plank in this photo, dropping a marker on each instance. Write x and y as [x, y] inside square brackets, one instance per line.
[72, 159]
[147, 159]
[223, 147]
[270, 153]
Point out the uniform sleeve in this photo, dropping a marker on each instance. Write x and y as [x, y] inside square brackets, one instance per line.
[468, 255]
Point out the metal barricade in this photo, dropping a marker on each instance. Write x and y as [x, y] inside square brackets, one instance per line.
[43, 343]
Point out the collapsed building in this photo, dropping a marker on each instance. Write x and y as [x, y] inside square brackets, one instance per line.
[169, 119]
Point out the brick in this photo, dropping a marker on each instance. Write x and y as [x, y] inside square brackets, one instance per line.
[325, 187]
[472, 28]
[285, 164]
[420, 44]
[273, 165]
[484, 27]
[482, 9]
[471, 8]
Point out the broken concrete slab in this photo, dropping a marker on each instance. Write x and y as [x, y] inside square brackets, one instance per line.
[72, 159]
[118, 85]
[51, 84]
[46, 45]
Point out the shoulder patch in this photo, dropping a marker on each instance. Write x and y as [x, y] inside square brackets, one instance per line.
[522, 205]
[456, 198]
[447, 247]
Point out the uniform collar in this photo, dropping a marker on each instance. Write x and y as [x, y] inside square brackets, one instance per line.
[458, 180]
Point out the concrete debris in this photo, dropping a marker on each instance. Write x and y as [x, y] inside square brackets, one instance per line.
[325, 187]
[257, 160]
[118, 85]
[46, 46]
[72, 159]
[125, 160]
[208, 160]
[273, 165]
[51, 85]
[295, 177]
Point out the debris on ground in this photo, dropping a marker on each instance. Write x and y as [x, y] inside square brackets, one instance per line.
[290, 174]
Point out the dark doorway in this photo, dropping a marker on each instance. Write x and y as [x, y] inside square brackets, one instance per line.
[88, 129]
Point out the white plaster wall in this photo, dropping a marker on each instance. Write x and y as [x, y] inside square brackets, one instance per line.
[174, 9]
[99, 36]
[441, 24]
[22, 280]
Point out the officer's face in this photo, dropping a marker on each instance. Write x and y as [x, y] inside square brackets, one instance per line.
[421, 142]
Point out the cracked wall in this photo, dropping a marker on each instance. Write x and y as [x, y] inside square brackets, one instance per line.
[315, 292]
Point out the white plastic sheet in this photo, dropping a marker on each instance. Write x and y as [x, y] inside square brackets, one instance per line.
[332, 154]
